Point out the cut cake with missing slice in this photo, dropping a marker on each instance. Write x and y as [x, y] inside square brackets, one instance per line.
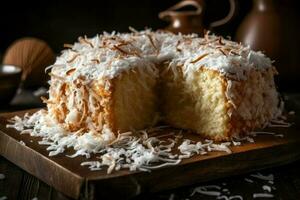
[119, 82]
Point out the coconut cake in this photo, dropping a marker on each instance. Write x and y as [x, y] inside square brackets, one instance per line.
[117, 82]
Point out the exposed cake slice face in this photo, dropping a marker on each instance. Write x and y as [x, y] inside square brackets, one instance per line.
[216, 107]
[134, 99]
[126, 102]
[197, 103]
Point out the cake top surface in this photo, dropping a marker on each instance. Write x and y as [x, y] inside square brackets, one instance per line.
[105, 56]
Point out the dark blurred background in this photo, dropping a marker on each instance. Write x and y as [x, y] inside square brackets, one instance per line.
[59, 22]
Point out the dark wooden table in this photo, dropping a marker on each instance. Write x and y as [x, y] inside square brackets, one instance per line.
[275, 183]
[18, 184]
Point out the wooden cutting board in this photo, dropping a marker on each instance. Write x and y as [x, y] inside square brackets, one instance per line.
[67, 176]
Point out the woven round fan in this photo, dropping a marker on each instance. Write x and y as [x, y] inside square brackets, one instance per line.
[33, 56]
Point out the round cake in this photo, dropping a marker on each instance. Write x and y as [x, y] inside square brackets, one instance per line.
[113, 83]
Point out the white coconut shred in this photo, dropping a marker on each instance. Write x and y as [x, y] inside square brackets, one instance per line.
[135, 150]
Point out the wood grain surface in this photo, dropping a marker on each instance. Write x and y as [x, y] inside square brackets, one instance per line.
[67, 176]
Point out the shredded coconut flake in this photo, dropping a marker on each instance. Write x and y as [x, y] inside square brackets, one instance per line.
[262, 195]
[210, 190]
[248, 180]
[224, 193]
[236, 143]
[267, 188]
[271, 182]
[130, 150]
[216, 191]
[255, 133]
[269, 177]
[279, 123]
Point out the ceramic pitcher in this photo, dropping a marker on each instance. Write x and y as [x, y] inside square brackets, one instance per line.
[187, 17]
[272, 26]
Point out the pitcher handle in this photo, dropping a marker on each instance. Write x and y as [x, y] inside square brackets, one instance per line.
[165, 15]
[226, 19]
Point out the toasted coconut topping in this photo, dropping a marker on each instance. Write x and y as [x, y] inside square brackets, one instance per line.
[56, 76]
[234, 53]
[44, 99]
[132, 29]
[85, 40]
[73, 58]
[96, 61]
[199, 58]
[220, 41]
[68, 46]
[121, 50]
[223, 52]
[151, 41]
[177, 45]
[70, 71]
